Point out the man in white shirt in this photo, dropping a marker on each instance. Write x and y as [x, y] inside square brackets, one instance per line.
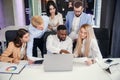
[59, 43]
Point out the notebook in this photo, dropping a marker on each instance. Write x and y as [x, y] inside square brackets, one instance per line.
[12, 67]
[58, 62]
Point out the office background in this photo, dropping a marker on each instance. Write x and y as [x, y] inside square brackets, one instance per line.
[106, 12]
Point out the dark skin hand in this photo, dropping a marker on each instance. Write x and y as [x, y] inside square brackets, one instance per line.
[64, 51]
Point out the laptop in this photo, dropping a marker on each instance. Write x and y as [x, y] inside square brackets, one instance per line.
[58, 62]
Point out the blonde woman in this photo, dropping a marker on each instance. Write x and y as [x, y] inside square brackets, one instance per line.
[87, 45]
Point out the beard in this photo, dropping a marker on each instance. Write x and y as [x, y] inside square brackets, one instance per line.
[77, 15]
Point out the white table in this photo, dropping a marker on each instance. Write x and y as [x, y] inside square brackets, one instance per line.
[115, 75]
[80, 72]
[4, 76]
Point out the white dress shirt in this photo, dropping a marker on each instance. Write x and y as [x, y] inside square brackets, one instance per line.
[75, 28]
[54, 45]
[22, 51]
[94, 50]
[57, 20]
[35, 33]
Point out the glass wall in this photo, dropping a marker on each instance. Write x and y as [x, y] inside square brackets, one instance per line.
[32, 7]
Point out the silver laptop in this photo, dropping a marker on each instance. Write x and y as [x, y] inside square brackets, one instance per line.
[58, 62]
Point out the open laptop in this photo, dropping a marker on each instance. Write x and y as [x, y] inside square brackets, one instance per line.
[58, 62]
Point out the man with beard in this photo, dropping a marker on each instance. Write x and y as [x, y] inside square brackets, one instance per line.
[59, 43]
[76, 18]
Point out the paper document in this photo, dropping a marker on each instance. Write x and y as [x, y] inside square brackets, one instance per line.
[12, 67]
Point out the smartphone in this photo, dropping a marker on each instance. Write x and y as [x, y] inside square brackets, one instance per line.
[108, 61]
[38, 62]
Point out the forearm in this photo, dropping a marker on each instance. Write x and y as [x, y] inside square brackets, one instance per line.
[29, 48]
[6, 59]
[53, 49]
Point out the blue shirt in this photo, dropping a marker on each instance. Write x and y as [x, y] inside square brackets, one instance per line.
[35, 33]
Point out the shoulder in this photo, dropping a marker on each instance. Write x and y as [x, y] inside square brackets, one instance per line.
[11, 43]
[83, 13]
[93, 41]
[86, 15]
[45, 18]
[68, 39]
[46, 21]
[59, 14]
[70, 13]
[50, 36]
[31, 27]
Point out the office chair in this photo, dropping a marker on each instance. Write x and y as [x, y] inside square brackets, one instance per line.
[102, 35]
[45, 39]
[10, 36]
[41, 44]
[0, 47]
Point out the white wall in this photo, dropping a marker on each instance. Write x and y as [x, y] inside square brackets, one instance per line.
[2, 23]
[8, 12]
[19, 12]
[12, 13]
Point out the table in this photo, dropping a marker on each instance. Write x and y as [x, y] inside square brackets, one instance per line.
[115, 69]
[80, 72]
[4, 76]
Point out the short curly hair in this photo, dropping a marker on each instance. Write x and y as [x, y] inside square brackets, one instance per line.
[77, 4]
[36, 20]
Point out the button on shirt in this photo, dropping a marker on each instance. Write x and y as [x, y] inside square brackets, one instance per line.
[54, 45]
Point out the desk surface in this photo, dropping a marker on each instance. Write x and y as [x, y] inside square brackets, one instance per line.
[115, 69]
[4, 76]
[80, 72]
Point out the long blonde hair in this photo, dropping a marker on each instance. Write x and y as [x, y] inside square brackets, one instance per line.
[90, 35]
